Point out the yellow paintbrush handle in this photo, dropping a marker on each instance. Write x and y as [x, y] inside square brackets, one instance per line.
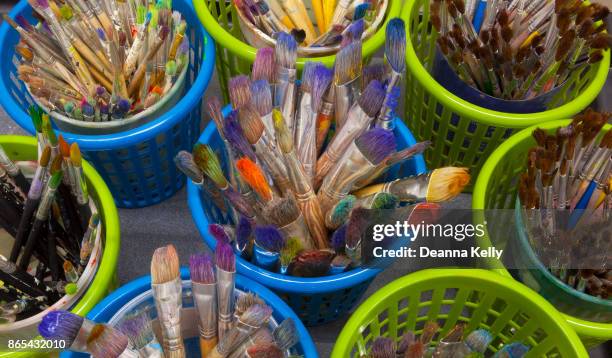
[300, 19]
[281, 14]
[317, 7]
[328, 11]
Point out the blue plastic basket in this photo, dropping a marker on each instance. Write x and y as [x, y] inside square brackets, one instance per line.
[315, 300]
[136, 164]
[106, 309]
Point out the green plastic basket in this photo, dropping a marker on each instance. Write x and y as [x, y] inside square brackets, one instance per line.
[464, 134]
[235, 56]
[25, 148]
[479, 298]
[496, 188]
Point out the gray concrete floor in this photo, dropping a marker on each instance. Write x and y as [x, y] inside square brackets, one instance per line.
[143, 230]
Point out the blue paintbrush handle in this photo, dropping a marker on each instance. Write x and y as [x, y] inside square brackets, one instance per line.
[479, 15]
[581, 205]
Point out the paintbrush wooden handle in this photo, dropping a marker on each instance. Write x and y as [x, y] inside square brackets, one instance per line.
[300, 19]
[207, 346]
[277, 9]
[140, 72]
[328, 12]
[317, 7]
[313, 215]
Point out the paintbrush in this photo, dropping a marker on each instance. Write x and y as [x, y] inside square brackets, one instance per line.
[262, 102]
[304, 194]
[89, 240]
[264, 350]
[286, 335]
[239, 89]
[288, 253]
[311, 263]
[105, 341]
[267, 248]
[261, 336]
[297, 12]
[244, 302]
[359, 118]
[222, 233]
[248, 323]
[244, 237]
[265, 147]
[31, 204]
[347, 70]
[359, 160]
[139, 330]
[285, 92]
[226, 272]
[167, 292]
[68, 327]
[203, 286]
[40, 218]
[305, 122]
[383, 347]
[322, 104]
[286, 215]
[438, 186]
[13, 276]
[395, 54]
[80, 185]
[13, 170]
[254, 176]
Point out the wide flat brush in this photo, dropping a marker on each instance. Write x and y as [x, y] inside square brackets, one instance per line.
[139, 330]
[249, 322]
[203, 285]
[105, 341]
[167, 292]
[269, 242]
[347, 70]
[68, 327]
[226, 272]
[286, 90]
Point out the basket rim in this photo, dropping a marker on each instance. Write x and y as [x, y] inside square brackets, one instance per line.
[583, 327]
[134, 136]
[107, 307]
[105, 274]
[276, 281]
[365, 310]
[491, 117]
[247, 52]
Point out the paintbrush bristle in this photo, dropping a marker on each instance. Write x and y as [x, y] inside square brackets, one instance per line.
[383, 347]
[56, 164]
[385, 201]
[218, 233]
[321, 81]
[264, 350]
[416, 350]
[429, 331]
[290, 251]
[75, 155]
[262, 97]
[269, 238]
[311, 263]
[239, 88]
[286, 334]
[138, 329]
[206, 159]
[164, 265]
[214, 111]
[239, 202]
[61, 326]
[254, 176]
[376, 144]
[251, 123]
[282, 211]
[235, 136]
[347, 66]
[264, 66]
[285, 51]
[354, 32]
[256, 315]
[356, 227]
[308, 75]
[185, 163]
[224, 257]
[262, 336]
[373, 72]
[283, 136]
[105, 341]
[446, 183]
[201, 269]
[45, 157]
[395, 45]
[247, 300]
[406, 341]
[338, 240]
[372, 98]
[244, 230]
[341, 211]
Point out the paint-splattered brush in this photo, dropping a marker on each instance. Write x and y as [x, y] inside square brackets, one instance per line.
[226, 275]
[203, 285]
[286, 215]
[268, 244]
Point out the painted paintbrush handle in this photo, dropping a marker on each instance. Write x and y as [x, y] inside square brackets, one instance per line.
[285, 96]
[132, 57]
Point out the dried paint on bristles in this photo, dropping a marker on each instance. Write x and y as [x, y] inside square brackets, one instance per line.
[224, 257]
[385, 201]
[285, 50]
[214, 111]
[201, 269]
[244, 230]
[61, 326]
[257, 315]
[240, 91]
[218, 233]
[286, 334]
[106, 342]
[357, 225]
[138, 329]
[251, 123]
[293, 246]
[264, 66]
[311, 263]
[308, 75]
[416, 350]
[254, 176]
[283, 137]
[348, 63]
[406, 341]
[373, 72]
[341, 211]
[45, 157]
[247, 300]
[56, 164]
[208, 162]
[395, 45]
[446, 183]
[164, 265]
[479, 340]
[338, 240]
[235, 136]
[322, 78]
[282, 211]
[429, 331]
[261, 95]
[372, 98]
[185, 163]
[75, 155]
[376, 144]
[383, 347]
[269, 238]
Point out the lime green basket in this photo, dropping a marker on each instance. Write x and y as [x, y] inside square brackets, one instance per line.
[478, 298]
[235, 56]
[464, 134]
[25, 148]
[496, 188]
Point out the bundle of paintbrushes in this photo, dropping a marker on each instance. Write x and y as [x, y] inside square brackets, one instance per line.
[101, 60]
[51, 221]
[336, 22]
[230, 323]
[568, 185]
[456, 343]
[518, 50]
[289, 176]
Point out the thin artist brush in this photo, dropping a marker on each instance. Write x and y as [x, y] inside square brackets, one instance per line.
[305, 122]
[139, 330]
[304, 193]
[322, 104]
[395, 54]
[286, 91]
[13, 171]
